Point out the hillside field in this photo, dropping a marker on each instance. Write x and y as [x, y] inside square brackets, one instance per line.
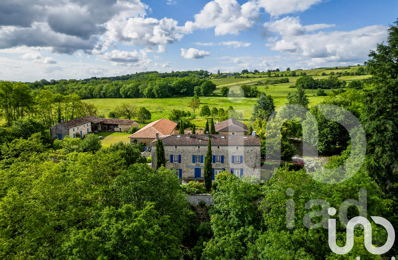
[160, 108]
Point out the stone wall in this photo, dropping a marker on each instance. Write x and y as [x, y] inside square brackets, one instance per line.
[251, 159]
[201, 209]
[58, 129]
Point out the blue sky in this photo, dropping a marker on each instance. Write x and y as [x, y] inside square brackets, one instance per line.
[86, 38]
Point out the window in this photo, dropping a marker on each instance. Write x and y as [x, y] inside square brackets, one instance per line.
[175, 147]
[237, 159]
[73, 129]
[77, 128]
[237, 172]
[175, 158]
[218, 158]
[217, 171]
[233, 133]
[197, 158]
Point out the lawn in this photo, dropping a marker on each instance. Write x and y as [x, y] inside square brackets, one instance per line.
[160, 108]
[113, 138]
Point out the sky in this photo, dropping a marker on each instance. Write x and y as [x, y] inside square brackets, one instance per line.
[79, 39]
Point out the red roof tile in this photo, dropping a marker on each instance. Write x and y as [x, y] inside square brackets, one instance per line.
[230, 125]
[162, 126]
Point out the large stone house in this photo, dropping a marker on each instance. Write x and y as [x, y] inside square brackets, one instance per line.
[147, 134]
[231, 127]
[238, 154]
[85, 125]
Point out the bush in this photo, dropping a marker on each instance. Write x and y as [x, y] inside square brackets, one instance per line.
[149, 159]
[91, 143]
[112, 114]
[293, 86]
[194, 187]
[133, 130]
[321, 92]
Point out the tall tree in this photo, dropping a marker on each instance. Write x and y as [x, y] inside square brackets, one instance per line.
[194, 103]
[143, 115]
[193, 129]
[380, 117]
[299, 97]
[208, 167]
[181, 132]
[263, 108]
[207, 127]
[160, 156]
[6, 91]
[127, 110]
[212, 128]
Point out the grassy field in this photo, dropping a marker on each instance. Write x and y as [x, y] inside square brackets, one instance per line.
[113, 138]
[160, 108]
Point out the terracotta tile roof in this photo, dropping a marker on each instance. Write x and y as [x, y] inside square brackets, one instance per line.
[96, 120]
[163, 126]
[118, 121]
[81, 121]
[230, 125]
[216, 140]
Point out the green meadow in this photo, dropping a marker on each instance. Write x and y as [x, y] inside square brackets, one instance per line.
[160, 108]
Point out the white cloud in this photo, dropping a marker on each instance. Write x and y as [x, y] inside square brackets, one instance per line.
[227, 16]
[235, 44]
[48, 60]
[125, 58]
[204, 43]
[194, 54]
[335, 46]
[171, 2]
[280, 7]
[31, 56]
[145, 32]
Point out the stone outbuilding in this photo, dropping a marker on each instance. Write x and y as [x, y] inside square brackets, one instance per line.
[237, 154]
[147, 134]
[85, 125]
[231, 127]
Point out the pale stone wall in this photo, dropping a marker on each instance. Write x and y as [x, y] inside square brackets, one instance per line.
[251, 159]
[126, 128]
[194, 200]
[59, 129]
[232, 133]
[83, 128]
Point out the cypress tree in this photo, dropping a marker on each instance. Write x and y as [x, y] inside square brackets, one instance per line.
[212, 128]
[181, 132]
[160, 158]
[193, 130]
[207, 127]
[208, 167]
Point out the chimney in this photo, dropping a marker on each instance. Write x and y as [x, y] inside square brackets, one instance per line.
[62, 120]
[254, 133]
[189, 134]
[218, 121]
[197, 136]
[207, 134]
[157, 135]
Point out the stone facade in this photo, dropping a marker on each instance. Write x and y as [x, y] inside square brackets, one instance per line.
[83, 130]
[59, 130]
[239, 159]
[233, 133]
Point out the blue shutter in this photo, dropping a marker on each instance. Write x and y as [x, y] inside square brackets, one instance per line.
[214, 159]
[223, 169]
[74, 135]
[180, 173]
[232, 170]
[201, 159]
[222, 158]
[179, 158]
[171, 158]
[241, 159]
[213, 175]
[193, 158]
[233, 159]
[241, 172]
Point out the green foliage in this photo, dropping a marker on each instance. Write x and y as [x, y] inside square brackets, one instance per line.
[263, 108]
[214, 112]
[205, 111]
[212, 128]
[160, 156]
[207, 127]
[299, 97]
[207, 88]
[91, 143]
[320, 92]
[249, 91]
[356, 84]
[129, 153]
[181, 132]
[143, 115]
[133, 130]
[224, 91]
[208, 166]
[194, 187]
[194, 103]
[194, 129]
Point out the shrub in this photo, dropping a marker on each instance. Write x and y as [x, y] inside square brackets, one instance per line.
[321, 92]
[133, 130]
[194, 187]
[293, 86]
[149, 159]
[91, 143]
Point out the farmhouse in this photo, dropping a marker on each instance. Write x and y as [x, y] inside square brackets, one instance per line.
[85, 125]
[238, 154]
[147, 134]
[231, 127]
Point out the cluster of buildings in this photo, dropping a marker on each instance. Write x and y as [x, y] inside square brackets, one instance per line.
[233, 150]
